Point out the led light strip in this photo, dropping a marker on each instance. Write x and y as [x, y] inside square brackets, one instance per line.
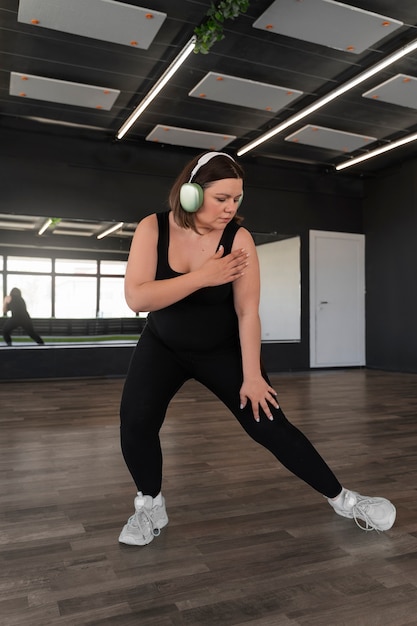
[321, 102]
[159, 85]
[45, 226]
[376, 152]
[110, 230]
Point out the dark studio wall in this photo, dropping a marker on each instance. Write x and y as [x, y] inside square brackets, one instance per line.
[92, 178]
[390, 224]
[95, 178]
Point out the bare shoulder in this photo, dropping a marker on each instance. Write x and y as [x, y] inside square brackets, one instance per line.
[142, 255]
[243, 239]
[148, 223]
[147, 229]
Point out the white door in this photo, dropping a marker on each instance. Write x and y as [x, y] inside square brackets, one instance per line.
[337, 299]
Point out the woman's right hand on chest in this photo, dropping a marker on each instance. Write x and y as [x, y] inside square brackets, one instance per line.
[220, 269]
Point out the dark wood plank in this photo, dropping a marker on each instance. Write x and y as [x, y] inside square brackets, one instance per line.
[247, 543]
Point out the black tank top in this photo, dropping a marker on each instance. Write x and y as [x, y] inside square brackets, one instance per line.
[206, 319]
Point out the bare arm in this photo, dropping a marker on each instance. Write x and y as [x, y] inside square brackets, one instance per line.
[246, 290]
[6, 302]
[144, 293]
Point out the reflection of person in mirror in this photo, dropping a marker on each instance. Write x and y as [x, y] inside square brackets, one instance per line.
[20, 317]
[195, 268]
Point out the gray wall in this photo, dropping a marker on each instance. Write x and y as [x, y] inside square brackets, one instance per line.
[390, 225]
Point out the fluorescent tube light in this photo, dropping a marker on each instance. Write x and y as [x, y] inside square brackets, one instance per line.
[110, 230]
[377, 151]
[159, 85]
[44, 226]
[321, 102]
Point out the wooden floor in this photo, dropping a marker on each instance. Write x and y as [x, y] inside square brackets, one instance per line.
[247, 543]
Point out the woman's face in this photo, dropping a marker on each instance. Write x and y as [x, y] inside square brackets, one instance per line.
[220, 204]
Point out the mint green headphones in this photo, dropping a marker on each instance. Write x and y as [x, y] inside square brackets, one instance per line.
[192, 194]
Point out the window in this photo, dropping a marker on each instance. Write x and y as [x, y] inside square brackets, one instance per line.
[75, 296]
[28, 264]
[36, 292]
[25, 273]
[112, 298]
[67, 288]
[69, 266]
[113, 268]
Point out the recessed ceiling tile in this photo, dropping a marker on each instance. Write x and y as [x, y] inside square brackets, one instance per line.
[106, 20]
[328, 23]
[243, 92]
[64, 92]
[328, 138]
[400, 89]
[17, 222]
[190, 138]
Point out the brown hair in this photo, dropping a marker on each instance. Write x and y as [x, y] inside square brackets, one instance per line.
[219, 167]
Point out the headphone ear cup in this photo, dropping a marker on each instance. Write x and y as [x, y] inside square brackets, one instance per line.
[191, 197]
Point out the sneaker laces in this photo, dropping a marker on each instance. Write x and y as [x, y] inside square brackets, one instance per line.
[360, 515]
[143, 520]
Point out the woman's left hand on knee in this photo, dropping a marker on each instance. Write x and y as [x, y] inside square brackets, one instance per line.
[261, 396]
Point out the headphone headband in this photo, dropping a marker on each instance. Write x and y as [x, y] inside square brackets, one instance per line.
[205, 159]
[192, 194]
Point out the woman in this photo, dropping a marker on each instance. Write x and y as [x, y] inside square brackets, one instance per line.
[20, 317]
[196, 270]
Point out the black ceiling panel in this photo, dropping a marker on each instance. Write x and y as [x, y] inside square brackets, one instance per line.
[245, 52]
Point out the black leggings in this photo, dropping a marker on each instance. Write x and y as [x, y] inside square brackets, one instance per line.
[156, 374]
[26, 323]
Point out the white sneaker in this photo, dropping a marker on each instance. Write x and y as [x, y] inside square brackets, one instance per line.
[376, 513]
[145, 523]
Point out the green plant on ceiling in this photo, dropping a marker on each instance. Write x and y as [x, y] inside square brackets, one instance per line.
[211, 29]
